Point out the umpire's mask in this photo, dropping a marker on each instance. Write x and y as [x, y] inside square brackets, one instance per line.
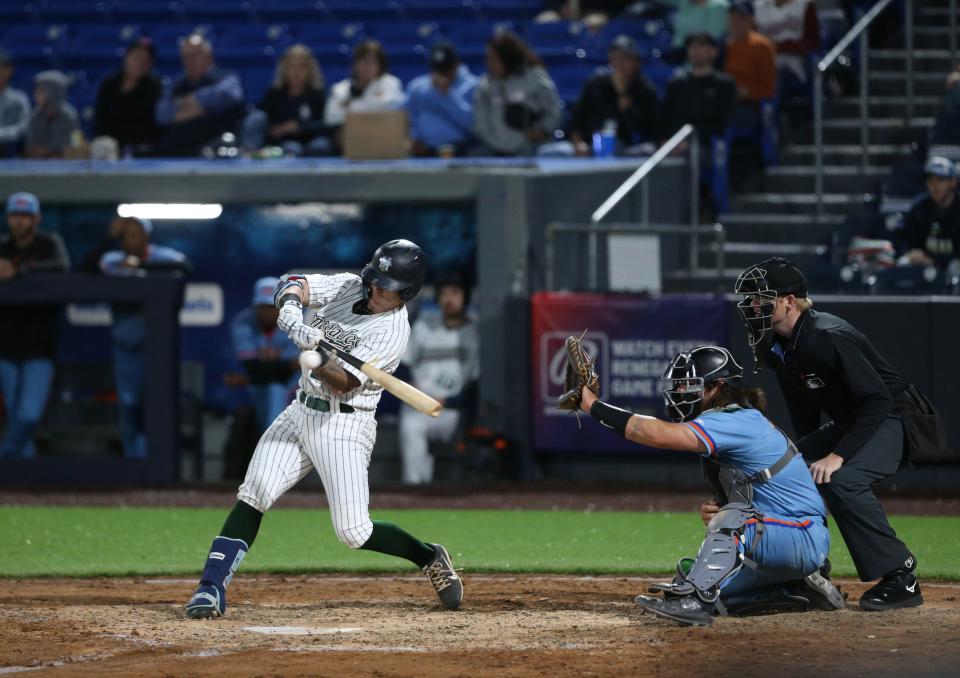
[688, 375]
[760, 286]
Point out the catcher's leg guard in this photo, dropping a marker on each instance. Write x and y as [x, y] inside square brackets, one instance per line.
[210, 598]
[721, 556]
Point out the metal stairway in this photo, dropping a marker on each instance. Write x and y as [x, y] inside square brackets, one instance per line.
[782, 219]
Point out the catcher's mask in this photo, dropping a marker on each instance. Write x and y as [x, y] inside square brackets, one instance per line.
[760, 286]
[688, 375]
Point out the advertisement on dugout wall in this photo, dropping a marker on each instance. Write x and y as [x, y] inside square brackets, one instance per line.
[631, 337]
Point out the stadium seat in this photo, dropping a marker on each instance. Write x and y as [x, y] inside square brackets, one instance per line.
[660, 74]
[218, 11]
[256, 81]
[144, 12]
[402, 33]
[14, 12]
[251, 44]
[444, 11]
[570, 79]
[909, 280]
[72, 12]
[510, 9]
[558, 37]
[34, 46]
[292, 12]
[364, 10]
[319, 34]
[97, 45]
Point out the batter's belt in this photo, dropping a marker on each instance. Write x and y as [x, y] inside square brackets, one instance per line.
[320, 405]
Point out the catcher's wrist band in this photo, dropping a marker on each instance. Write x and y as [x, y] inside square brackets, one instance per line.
[287, 298]
[610, 416]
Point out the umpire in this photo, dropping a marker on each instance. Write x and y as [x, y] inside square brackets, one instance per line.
[825, 365]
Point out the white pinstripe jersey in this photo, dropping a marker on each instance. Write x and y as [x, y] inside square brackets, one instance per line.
[378, 339]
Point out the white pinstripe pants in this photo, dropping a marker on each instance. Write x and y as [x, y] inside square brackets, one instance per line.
[337, 445]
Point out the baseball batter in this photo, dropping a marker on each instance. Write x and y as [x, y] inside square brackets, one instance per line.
[331, 425]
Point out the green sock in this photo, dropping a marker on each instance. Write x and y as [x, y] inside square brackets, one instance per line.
[242, 523]
[392, 540]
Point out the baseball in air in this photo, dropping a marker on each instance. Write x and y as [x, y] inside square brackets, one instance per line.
[310, 360]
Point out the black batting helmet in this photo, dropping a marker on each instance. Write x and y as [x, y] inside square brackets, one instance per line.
[690, 372]
[398, 266]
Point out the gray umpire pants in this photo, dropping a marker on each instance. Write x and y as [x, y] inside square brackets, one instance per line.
[849, 495]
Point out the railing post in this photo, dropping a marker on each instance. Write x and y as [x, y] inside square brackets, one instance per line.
[721, 239]
[818, 137]
[864, 90]
[953, 26]
[644, 202]
[908, 43]
[694, 200]
[549, 253]
[592, 257]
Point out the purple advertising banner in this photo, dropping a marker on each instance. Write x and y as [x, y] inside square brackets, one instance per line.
[632, 338]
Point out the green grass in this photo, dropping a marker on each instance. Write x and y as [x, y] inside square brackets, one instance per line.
[49, 541]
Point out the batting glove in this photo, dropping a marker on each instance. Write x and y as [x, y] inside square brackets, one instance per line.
[291, 315]
[305, 337]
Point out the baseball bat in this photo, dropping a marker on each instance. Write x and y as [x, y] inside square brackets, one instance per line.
[412, 396]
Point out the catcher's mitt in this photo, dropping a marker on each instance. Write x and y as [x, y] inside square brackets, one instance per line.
[579, 373]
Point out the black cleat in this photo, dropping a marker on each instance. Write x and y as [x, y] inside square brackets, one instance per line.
[821, 592]
[444, 578]
[687, 610]
[896, 590]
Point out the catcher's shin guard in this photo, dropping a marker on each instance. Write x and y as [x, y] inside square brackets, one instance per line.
[721, 556]
[210, 598]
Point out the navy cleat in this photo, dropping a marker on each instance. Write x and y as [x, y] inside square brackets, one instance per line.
[444, 578]
[686, 610]
[207, 602]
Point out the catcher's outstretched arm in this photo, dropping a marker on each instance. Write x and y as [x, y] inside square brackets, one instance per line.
[640, 428]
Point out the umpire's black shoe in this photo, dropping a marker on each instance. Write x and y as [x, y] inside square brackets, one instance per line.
[898, 589]
[444, 578]
[688, 610]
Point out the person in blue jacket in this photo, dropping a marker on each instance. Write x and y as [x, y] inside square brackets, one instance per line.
[268, 357]
[136, 258]
[767, 538]
[440, 105]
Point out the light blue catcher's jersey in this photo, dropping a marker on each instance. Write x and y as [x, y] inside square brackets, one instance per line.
[746, 440]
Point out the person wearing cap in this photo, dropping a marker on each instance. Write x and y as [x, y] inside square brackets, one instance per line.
[28, 333]
[268, 357]
[932, 226]
[54, 122]
[137, 257]
[750, 59]
[444, 360]
[440, 104]
[126, 100]
[14, 110]
[824, 365]
[290, 113]
[620, 93]
[204, 103]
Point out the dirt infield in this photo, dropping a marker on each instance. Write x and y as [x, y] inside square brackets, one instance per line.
[393, 626]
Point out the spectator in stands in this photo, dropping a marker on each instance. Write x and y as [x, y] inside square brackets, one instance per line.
[593, 13]
[516, 107]
[268, 357]
[126, 100]
[290, 114]
[53, 125]
[28, 333]
[136, 257]
[694, 17]
[14, 110]
[932, 226]
[750, 58]
[440, 105]
[621, 94]
[947, 129]
[444, 359]
[204, 103]
[701, 96]
[370, 88]
[794, 29]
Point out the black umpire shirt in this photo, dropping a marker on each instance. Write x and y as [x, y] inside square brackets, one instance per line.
[30, 331]
[827, 365]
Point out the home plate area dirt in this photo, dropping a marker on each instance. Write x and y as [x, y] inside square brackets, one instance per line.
[393, 626]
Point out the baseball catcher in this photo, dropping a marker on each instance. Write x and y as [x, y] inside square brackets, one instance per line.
[767, 540]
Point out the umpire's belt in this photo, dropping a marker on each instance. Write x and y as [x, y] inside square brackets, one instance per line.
[320, 405]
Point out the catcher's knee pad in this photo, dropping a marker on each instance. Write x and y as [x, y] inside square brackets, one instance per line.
[722, 553]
